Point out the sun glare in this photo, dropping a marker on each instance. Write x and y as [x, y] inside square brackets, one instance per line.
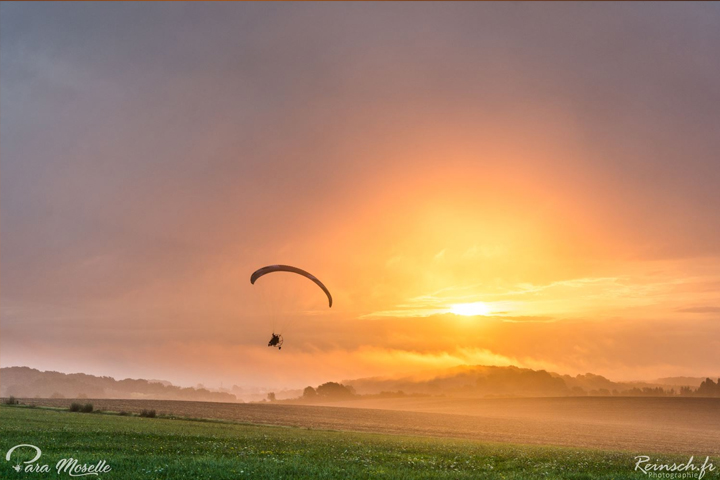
[470, 309]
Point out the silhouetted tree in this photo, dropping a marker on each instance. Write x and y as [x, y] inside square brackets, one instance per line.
[686, 391]
[708, 388]
[577, 391]
[309, 392]
[335, 390]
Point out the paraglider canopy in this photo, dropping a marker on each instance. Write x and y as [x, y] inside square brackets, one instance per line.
[287, 268]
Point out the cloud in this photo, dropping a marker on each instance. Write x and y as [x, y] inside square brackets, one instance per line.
[699, 310]
[411, 155]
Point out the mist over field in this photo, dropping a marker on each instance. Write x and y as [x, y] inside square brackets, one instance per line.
[459, 382]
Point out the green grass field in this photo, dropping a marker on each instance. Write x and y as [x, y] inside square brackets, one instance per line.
[164, 448]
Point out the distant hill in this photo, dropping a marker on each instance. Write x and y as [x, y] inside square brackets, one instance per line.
[489, 381]
[468, 381]
[29, 382]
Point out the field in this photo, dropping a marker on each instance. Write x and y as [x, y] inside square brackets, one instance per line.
[163, 448]
[668, 425]
[236, 445]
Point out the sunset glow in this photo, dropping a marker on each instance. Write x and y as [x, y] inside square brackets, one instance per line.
[416, 157]
[470, 309]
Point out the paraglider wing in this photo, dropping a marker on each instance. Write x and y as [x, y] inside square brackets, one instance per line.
[287, 268]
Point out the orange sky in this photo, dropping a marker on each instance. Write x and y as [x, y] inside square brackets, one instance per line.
[557, 163]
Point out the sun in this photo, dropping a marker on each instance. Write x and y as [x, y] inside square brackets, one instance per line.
[470, 309]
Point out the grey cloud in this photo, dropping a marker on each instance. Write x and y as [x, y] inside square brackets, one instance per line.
[139, 140]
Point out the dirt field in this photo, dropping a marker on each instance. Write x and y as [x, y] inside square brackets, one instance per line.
[642, 425]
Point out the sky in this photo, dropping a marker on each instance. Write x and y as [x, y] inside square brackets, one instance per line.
[555, 166]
